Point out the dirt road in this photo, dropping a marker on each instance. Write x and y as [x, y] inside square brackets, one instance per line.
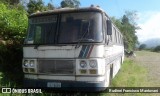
[151, 61]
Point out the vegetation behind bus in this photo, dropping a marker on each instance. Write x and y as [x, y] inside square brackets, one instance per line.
[127, 25]
[13, 22]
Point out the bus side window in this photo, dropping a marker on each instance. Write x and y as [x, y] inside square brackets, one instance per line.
[119, 38]
[109, 27]
[115, 35]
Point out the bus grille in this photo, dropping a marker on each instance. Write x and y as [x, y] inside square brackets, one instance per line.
[56, 66]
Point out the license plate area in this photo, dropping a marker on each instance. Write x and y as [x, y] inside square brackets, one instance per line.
[54, 85]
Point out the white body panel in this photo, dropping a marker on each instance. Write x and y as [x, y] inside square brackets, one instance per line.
[61, 52]
[51, 52]
[49, 77]
[105, 56]
[67, 78]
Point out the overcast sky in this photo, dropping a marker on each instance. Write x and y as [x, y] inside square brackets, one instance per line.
[148, 13]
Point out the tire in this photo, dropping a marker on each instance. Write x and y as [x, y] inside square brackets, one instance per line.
[111, 74]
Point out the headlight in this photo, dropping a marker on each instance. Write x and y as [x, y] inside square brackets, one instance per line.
[32, 63]
[93, 63]
[25, 63]
[29, 65]
[83, 64]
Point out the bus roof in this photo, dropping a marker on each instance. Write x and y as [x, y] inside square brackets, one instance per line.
[67, 10]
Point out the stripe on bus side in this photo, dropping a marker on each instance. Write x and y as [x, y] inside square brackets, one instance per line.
[85, 51]
[90, 51]
[82, 51]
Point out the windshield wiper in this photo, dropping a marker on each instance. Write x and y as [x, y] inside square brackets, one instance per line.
[84, 34]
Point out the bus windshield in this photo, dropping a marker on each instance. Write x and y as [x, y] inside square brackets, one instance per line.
[67, 28]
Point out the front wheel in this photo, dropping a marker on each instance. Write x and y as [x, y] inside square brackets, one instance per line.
[107, 77]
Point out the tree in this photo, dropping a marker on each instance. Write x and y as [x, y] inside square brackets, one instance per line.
[142, 46]
[157, 49]
[50, 6]
[12, 2]
[70, 3]
[128, 27]
[36, 5]
[125, 20]
[13, 23]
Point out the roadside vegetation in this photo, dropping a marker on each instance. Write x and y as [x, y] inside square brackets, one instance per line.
[131, 75]
[142, 71]
[13, 26]
[157, 49]
[128, 27]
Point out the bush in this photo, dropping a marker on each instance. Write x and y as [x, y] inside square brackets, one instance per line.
[157, 49]
[10, 64]
[142, 46]
[13, 22]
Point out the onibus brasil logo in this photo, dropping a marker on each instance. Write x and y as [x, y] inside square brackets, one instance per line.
[14, 90]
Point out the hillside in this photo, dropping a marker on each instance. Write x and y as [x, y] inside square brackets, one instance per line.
[152, 42]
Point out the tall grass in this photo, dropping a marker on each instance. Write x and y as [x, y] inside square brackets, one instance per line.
[131, 75]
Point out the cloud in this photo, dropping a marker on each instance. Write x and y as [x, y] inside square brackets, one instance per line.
[150, 26]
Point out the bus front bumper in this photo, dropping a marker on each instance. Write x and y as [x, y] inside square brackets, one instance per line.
[64, 85]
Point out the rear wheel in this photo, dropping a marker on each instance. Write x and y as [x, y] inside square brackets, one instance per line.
[111, 74]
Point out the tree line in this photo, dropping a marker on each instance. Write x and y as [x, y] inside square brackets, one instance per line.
[128, 27]
[154, 49]
[39, 5]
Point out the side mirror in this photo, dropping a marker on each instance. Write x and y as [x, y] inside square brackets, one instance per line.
[109, 27]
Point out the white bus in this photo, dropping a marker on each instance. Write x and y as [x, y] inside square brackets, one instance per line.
[72, 48]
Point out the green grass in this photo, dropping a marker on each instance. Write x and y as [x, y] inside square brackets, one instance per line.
[1, 77]
[130, 75]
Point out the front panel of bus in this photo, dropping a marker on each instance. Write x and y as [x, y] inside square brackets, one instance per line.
[64, 50]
